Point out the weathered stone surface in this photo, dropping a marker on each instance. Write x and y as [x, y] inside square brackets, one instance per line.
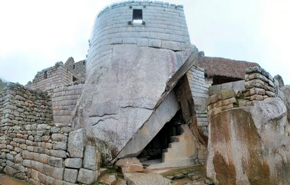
[151, 127]
[57, 173]
[129, 165]
[76, 142]
[87, 176]
[247, 145]
[10, 171]
[270, 114]
[237, 86]
[146, 179]
[92, 158]
[285, 95]
[280, 80]
[122, 95]
[70, 175]
[59, 146]
[55, 162]
[109, 179]
[73, 162]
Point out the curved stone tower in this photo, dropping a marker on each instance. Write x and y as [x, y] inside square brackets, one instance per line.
[135, 50]
[143, 24]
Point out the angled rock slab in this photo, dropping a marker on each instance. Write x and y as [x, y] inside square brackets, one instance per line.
[122, 92]
[163, 114]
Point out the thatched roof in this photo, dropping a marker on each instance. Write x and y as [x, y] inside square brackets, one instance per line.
[224, 67]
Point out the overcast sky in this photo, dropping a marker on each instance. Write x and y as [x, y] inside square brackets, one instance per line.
[36, 34]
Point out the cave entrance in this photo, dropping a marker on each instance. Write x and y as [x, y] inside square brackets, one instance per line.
[153, 152]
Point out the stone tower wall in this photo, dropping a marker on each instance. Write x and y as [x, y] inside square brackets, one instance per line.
[78, 69]
[164, 26]
[51, 78]
[64, 100]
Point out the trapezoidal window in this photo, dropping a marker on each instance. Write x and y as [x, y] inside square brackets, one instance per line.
[45, 75]
[74, 79]
[137, 16]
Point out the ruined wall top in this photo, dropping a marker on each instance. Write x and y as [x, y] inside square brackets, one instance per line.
[141, 3]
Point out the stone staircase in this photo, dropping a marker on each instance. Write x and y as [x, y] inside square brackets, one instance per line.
[182, 151]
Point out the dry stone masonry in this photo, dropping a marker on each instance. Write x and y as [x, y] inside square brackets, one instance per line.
[64, 100]
[259, 84]
[36, 149]
[59, 75]
[164, 26]
[146, 107]
[199, 92]
[243, 120]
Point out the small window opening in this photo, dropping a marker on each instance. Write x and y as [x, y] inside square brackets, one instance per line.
[45, 75]
[74, 79]
[137, 16]
[74, 66]
[84, 62]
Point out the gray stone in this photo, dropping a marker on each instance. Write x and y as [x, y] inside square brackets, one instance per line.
[37, 166]
[10, 171]
[87, 176]
[92, 158]
[57, 173]
[73, 162]
[43, 158]
[142, 42]
[59, 137]
[243, 143]
[10, 157]
[70, 175]
[280, 80]
[58, 153]
[151, 127]
[120, 104]
[27, 163]
[76, 143]
[18, 158]
[55, 162]
[155, 43]
[59, 146]
[47, 170]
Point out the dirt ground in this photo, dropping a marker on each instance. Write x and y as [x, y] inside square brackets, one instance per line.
[5, 180]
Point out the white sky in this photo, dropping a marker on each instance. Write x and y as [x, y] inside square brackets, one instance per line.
[35, 34]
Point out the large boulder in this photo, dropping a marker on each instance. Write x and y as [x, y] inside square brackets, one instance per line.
[285, 92]
[123, 92]
[248, 146]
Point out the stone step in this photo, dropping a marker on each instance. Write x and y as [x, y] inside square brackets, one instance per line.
[174, 139]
